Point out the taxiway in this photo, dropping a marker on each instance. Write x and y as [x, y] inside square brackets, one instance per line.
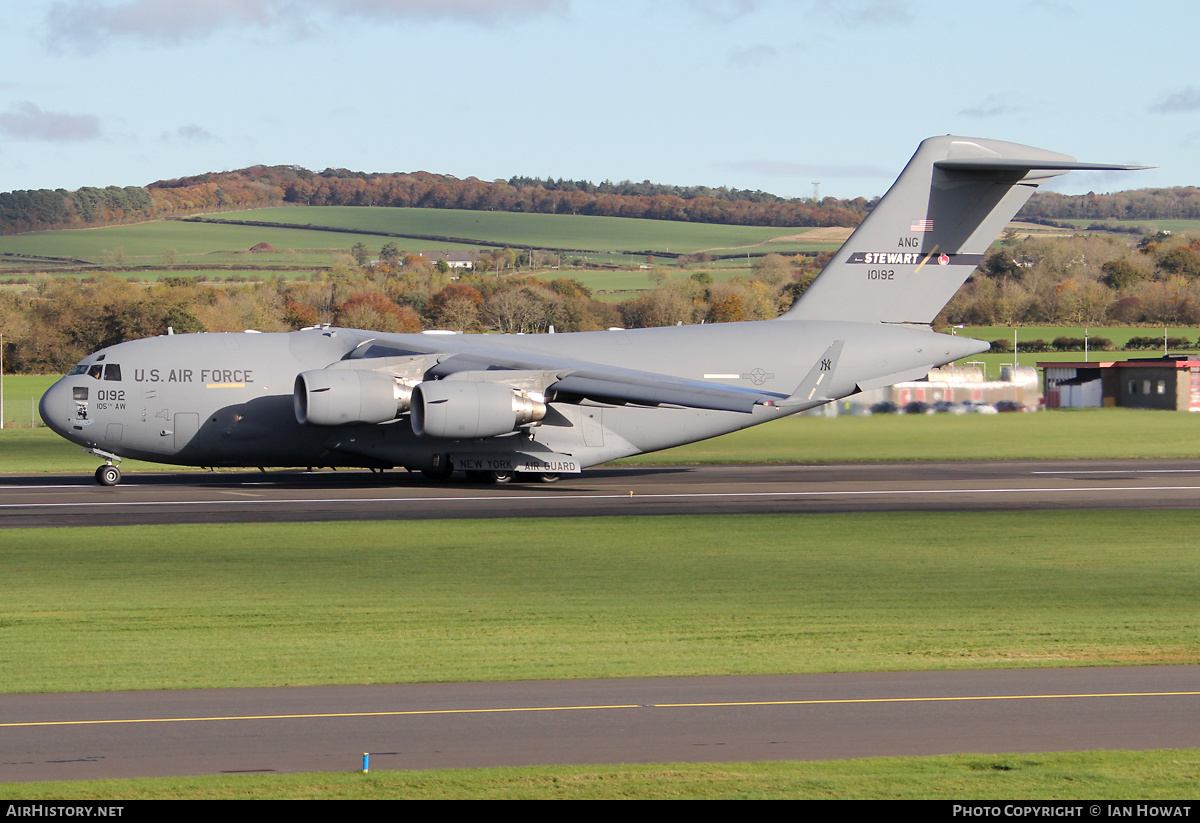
[700, 719]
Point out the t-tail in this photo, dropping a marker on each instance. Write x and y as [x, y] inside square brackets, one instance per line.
[929, 232]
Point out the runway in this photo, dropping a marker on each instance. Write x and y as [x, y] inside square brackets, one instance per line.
[786, 717]
[54, 500]
[425, 726]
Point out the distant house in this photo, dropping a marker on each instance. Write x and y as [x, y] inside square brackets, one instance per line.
[454, 259]
[1142, 383]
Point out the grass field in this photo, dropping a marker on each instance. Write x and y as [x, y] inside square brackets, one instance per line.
[1174, 226]
[212, 606]
[146, 244]
[543, 231]
[239, 605]
[1115, 776]
[606, 240]
[21, 393]
[1086, 434]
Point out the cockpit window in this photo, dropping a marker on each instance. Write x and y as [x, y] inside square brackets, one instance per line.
[112, 372]
[80, 369]
[95, 370]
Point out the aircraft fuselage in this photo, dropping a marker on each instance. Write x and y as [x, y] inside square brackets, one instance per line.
[229, 399]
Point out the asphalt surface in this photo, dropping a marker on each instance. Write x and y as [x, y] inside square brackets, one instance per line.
[330, 496]
[794, 717]
[782, 717]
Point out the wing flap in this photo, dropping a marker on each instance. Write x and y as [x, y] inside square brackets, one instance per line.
[663, 390]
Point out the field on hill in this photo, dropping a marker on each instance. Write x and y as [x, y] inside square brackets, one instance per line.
[543, 231]
[191, 244]
[1174, 226]
[164, 245]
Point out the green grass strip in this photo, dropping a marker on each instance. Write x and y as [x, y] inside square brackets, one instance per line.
[1069, 434]
[1062, 434]
[1116, 776]
[206, 606]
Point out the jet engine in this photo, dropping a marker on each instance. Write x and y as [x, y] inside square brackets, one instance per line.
[462, 410]
[343, 397]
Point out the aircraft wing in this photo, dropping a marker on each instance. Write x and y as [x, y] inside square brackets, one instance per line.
[583, 379]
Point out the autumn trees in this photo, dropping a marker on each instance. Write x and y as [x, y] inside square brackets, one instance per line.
[51, 326]
[260, 186]
[1083, 280]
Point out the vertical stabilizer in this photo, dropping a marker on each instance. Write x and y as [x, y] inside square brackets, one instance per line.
[930, 231]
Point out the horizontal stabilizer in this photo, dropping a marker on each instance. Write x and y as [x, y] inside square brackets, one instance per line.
[1010, 164]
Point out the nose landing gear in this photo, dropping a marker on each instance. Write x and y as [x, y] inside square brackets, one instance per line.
[108, 474]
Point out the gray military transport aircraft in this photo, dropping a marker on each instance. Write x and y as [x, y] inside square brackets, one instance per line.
[499, 406]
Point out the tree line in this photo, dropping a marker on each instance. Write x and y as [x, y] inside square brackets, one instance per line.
[262, 186]
[1178, 203]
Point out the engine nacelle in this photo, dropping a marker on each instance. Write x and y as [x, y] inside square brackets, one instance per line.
[461, 410]
[344, 397]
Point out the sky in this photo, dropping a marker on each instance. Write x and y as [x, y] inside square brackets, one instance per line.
[777, 95]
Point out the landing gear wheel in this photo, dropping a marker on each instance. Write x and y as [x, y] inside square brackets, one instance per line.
[108, 475]
[439, 474]
[549, 478]
[489, 478]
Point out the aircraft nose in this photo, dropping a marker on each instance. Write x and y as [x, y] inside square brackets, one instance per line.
[56, 408]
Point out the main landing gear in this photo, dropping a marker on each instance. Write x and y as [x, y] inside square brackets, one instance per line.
[502, 477]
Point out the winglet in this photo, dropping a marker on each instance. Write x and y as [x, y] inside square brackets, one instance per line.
[811, 391]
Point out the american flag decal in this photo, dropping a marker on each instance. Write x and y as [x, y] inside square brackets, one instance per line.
[924, 224]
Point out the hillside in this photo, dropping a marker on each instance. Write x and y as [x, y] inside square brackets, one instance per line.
[267, 186]
[260, 186]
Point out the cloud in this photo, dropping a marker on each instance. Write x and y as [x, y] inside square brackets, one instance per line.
[863, 13]
[851, 13]
[29, 122]
[1186, 100]
[993, 106]
[776, 168]
[753, 55]
[89, 24]
[724, 10]
[1053, 7]
[192, 134]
